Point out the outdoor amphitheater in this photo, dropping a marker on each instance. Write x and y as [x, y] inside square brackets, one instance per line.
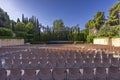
[60, 62]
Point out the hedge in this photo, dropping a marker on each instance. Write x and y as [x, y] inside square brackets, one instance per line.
[6, 32]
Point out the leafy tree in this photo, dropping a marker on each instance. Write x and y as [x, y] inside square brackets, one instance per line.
[96, 23]
[114, 31]
[103, 32]
[84, 34]
[113, 18]
[58, 29]
[90, 24]
[109, 31]
[29, 28]
[58, 25]
[76, 32]
[99, 20]
[20, 26]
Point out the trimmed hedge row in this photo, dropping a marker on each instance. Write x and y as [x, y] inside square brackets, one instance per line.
[6, 32]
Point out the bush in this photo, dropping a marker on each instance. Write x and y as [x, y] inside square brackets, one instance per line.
[82, 37]
[6, 37]
[21, 34]
[30, 38]
[6, 32]
[90, 38]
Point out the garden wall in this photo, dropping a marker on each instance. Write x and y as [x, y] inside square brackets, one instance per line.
[107, 41]
[102, 41]
[11, 42]
[116, 42]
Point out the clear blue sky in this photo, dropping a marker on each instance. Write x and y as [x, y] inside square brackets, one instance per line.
[72, 12]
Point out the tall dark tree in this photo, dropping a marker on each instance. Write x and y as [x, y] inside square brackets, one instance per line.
[4, 19]
[23, 19]
[12, 25]
[18, 20]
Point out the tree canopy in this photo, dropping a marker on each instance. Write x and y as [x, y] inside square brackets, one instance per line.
[113, 18]
[96, 22]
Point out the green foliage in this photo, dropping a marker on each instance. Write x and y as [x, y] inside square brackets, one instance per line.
[4, 19]
[113, 18]
[21, 34]
[30, 38]
[5, 32]
[75, 36]
[114, 30]
[58, 29]
[90, 24]
[12, 25]
[70, 36]
[58, 24]
[29, 28]
[96, 22]
[20, 26]
[90, 38]
[109, 31]
[76, 33]
[103, 31]
[43, 38]
[83, 35]
[99, 20]
[9, 37]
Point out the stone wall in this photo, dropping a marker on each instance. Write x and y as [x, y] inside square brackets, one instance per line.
[11, 42]
[107, 41]
[116, 42]
[102, 41]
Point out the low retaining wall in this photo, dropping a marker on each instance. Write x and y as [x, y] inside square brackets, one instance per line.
[107, 41]
[11, 42]
[116, 42]
[102, 41]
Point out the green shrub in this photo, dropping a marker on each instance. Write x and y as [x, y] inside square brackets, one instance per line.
[90, 38]
[21, 34]
[6, 32]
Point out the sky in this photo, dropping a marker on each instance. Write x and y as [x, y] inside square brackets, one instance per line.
[72, 12]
